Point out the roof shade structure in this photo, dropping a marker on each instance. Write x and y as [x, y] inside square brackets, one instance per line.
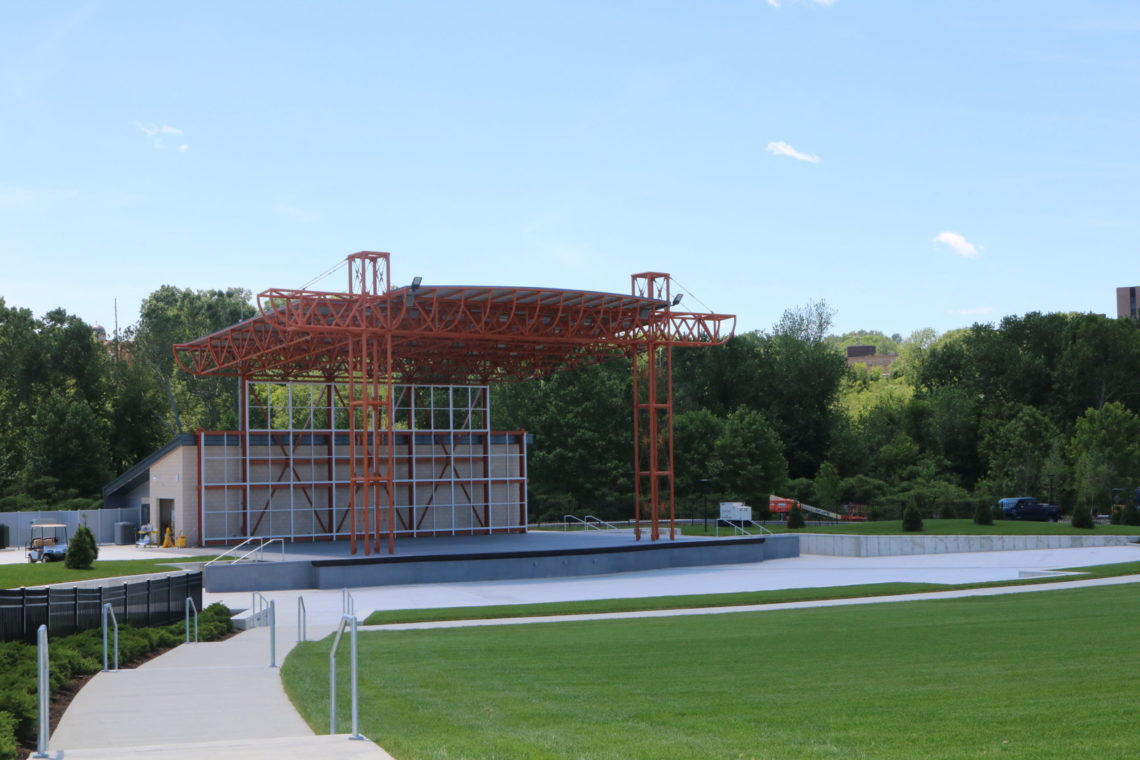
[375, 335]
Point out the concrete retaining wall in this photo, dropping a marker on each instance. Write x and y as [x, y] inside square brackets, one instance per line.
[385, 571]
[884, 546]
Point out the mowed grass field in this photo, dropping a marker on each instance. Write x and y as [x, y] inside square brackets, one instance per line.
[1052, 674]
[43, 574]
[933, 527]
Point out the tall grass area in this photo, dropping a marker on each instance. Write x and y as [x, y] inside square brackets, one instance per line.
[1041, 675]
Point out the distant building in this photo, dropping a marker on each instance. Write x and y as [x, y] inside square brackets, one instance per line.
[1126, 302]
[866, 356]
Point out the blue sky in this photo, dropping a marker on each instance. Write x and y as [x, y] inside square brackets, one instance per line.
[914, 164]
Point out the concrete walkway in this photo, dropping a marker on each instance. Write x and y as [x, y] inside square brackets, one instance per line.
[222, 700]
[213, 699]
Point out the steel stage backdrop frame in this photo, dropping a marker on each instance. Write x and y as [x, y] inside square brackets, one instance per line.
[375, 338]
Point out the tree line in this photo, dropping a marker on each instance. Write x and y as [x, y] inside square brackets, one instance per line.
[76, 408]
[1040, 405]
[1043, 405]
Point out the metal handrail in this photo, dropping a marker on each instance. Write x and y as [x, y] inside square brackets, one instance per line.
[347, 603]
[302, 618]
[350, 619]
[107, 608]
[187, 606]
[738, 528]
[258, 604]
[263, 612]
[258, 550]
[588, 522]
[44, 686]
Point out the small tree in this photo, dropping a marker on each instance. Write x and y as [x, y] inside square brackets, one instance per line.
[1082, 517]
[983, 515]
[796, 517]
[912, 521]
[81, 549]
[1130, 515]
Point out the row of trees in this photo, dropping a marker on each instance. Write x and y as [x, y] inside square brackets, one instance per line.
[76, 409]
[1041, 404]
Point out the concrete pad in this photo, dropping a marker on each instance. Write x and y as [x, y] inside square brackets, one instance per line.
[336, 747]
[809, 571]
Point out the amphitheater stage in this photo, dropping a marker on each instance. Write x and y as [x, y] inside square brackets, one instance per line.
[511, 556]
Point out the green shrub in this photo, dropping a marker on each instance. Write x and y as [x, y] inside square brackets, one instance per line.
[9, 747]
[795, 517]
[1115, 517]
[983, 515]
[1082, 517]
[81, 549]
[1130, 515]
[912, 521]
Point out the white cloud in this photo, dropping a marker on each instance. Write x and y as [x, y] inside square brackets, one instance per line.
[781, 148]
[975, 310]
[154, 135]
[959, 244]
[774, 3]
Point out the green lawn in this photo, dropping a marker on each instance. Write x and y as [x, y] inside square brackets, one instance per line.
[25, 574]
[1044, 675]
[691, 601]
[938, 528]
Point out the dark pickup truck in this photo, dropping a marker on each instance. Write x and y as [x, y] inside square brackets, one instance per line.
[1028, 508]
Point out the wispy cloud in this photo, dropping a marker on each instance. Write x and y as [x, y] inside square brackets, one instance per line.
[977, 310]
[781, 148]
[959, 245]
[774, 3]
[157, 135]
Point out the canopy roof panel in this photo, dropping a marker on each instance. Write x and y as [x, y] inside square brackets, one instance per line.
[453, 334]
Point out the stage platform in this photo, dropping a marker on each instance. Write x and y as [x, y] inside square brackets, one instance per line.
[512, 556]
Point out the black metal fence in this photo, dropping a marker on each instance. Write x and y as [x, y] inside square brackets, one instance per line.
[67, 610]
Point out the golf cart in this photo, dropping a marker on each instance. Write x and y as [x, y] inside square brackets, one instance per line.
[48, 542]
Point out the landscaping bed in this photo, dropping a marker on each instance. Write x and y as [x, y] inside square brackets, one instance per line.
[74, 659]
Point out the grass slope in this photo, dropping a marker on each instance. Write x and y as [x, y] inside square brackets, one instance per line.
[1046, 675]
[691, 601]
[16, 576]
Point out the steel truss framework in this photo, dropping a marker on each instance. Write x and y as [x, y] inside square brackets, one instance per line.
[375, 337]
[287, 474]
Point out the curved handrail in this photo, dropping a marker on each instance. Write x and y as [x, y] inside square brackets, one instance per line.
[589, 522]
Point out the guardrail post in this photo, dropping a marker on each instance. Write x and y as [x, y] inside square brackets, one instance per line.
[43, 687]
[355, 701]
[302, 618]
[108, 609]
[186, 606]
[272, 634]
[351, 620]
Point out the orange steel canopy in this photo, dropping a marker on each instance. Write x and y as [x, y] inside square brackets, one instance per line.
[374, 335]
